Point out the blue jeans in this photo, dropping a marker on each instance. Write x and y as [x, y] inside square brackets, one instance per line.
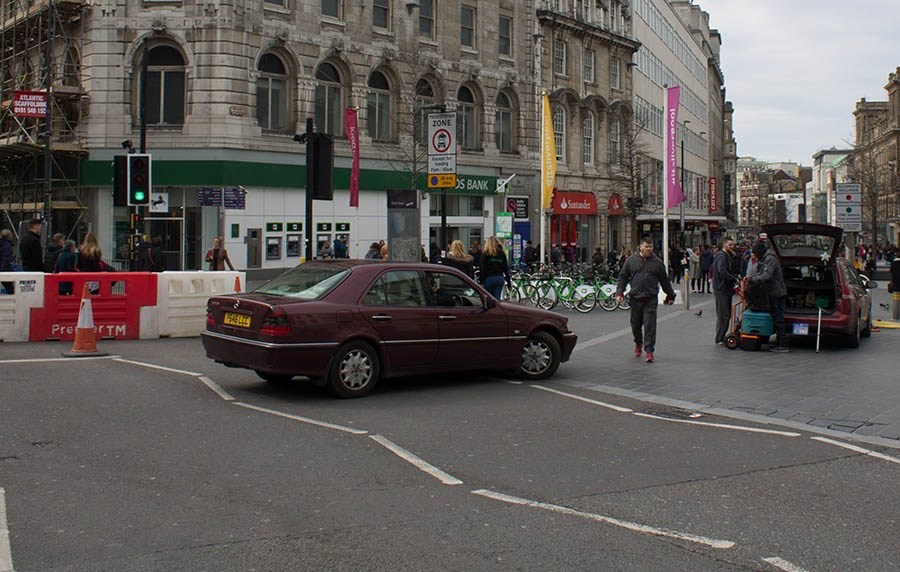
[494, 285]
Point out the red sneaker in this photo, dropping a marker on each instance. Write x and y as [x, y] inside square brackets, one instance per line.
[637, 350]
[649, 357]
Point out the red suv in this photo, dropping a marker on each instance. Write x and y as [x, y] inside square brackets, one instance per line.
[817, 276]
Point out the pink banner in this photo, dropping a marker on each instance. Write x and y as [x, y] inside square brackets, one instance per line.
[350, 121]
[675, 194]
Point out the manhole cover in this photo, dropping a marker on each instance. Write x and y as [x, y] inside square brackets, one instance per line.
[672, 412]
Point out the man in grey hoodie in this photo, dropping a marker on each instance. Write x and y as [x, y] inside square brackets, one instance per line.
[770, 272]
[646, 273]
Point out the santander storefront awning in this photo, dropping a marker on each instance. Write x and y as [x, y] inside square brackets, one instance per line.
[574, 203]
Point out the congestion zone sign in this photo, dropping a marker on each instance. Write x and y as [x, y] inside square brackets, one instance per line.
[29, 103]
[441, 150]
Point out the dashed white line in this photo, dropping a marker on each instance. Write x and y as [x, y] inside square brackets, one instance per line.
[160, 367]
[720, 425]
[417, 462]
[868, 452]
[633, 526]
[40, 360]
[783, 564]
[216, 388]
[303, 419]
[585, 399]
[6, 563]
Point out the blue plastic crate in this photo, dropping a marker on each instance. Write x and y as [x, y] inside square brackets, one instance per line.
[759, 323]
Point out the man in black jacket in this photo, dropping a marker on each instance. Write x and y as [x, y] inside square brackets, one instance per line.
[646, 273]
[724, 278]
[32, 251]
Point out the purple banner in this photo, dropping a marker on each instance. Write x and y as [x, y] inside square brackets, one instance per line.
[674, 193]
[350, 121]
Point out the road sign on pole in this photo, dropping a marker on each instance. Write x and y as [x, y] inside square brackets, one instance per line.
[848, 207]
[441, 150]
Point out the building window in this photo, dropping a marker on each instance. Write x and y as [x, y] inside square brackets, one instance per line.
[588, 134]
[559, 57]
[329, 100]
[587, 10]
[504, 123]
[614, 64]
[559, 132]
[331, 8]
[279, 3]
[426, 19]
[467, 120]
[424, 97]
[378, 107]
[271, 96]
[381, 14]
[165, 86]
[589, 66]
[504, 36]
[614, 136]
[467, 27]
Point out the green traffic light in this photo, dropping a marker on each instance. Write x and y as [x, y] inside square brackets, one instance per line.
[139, 195]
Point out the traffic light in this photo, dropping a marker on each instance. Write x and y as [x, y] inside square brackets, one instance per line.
[120, 180]
[138, 180]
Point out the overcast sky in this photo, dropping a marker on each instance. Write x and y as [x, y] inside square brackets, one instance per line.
[795, 69]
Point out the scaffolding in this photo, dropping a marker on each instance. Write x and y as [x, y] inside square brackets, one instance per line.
[37, 36]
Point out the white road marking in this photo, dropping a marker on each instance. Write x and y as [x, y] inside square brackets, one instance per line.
[40, 360]
[6, 564]
[512, 382]
[642, 528]
[163, 368]
[721, 425]
[417, 462]
[868, 452]
[302, 419]
[216, 387]
[783, 564]
[626, 331]
[585, 399]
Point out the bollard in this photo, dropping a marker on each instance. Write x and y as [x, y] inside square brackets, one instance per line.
[685, 291]
[895, 311]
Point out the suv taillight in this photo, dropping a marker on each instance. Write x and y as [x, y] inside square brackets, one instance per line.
[275, 324]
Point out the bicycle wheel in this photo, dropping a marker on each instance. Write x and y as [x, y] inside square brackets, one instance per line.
[547, 297]
[624, 305]
[586, 302]
[608, 303]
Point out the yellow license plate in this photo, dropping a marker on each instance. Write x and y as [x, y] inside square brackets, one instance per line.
[242, 320]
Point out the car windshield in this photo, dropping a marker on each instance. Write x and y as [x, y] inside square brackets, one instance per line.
[307, 282]
[804, 245]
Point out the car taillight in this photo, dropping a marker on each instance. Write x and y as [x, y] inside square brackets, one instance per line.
[210, 321]
[275, 324]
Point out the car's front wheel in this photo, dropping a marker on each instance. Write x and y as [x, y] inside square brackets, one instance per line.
[354, 370]
[540, 356]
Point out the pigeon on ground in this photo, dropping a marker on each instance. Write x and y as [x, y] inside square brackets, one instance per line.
[885, 306]
[698, 314]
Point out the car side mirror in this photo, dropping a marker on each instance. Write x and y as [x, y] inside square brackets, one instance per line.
[489, 302]
[871, 284]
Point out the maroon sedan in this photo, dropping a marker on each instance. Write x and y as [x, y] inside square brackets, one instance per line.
[353, 322]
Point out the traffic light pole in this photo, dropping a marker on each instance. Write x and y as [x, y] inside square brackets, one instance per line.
[310, 181]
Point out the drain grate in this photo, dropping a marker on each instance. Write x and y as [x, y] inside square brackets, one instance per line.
[671, 412]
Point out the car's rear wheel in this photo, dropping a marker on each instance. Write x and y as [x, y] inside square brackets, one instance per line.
[853, 339]
[274, 377]
[540, 356]
[867, 333]
[354, 370]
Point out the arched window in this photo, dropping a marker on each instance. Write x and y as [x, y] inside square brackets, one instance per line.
[503, 125]
[424, 98]
[378, 107]
[165, 86]
[467, 120]
[271, 93]
[614, 141]
[559, 132]
[587, 130]
[329, 100]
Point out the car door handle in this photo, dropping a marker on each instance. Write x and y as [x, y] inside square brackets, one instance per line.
[383, 317]
[446, 317]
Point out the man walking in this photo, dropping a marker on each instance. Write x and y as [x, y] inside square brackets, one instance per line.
[724, 277]
[646, 273]
[769, 271]
[32, 251]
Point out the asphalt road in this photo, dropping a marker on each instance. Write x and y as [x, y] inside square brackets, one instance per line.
[111, 465]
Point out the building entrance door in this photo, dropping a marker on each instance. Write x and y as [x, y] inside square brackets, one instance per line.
[254, 253]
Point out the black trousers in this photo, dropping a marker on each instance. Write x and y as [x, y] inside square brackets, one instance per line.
[643, 322]
[723, 315]
[777, 309]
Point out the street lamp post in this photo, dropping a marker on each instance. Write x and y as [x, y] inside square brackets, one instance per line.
[681, 206]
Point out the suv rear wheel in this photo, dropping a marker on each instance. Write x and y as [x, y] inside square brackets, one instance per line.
[853, 339]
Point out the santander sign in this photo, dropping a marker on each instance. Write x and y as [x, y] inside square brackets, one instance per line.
[574, 203]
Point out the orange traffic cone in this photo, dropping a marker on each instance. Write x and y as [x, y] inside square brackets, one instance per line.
[85, 341]
[237, 283]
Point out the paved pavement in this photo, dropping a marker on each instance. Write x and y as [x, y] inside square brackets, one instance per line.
[847, 390]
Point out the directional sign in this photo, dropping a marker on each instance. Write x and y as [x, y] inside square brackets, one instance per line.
[441, 150]
[848, 207]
